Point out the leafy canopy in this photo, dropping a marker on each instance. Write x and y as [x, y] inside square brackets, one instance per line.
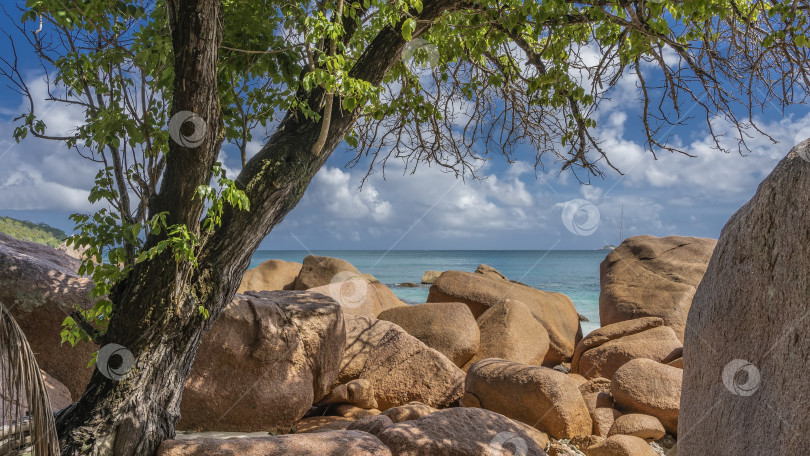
[486, 77]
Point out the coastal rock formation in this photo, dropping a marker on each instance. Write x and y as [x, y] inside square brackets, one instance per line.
[271, 275]
[603, 419]
[509, 331]
[315, 424]
[554, 311]
[462, 432]
[358, 392]
[358, 297]
[372, 424]
[540, 397]
[334, 443]
[387, 298]
[318, 271]
[638, 425]
[430, 276]
[447, 327]
[645, 386]
[402, 369]
[412, 411]
[621, 445]
[658, 344]
[610, 332]
[647, 276]
[264, 362]
[363, 334]
[491, 272]
[40, 286]
[747, 342]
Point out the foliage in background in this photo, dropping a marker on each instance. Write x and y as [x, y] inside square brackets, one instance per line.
[41, 233]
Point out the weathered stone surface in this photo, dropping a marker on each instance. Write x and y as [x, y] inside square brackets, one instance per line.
[387, 298]
[402, 369]
[411, 411]
[554, 310]
[40, 286]
[318, 271]
[490, 272]
[610, 332]
[334, 443]
[747, 340]
[647, 276]
[363, 334]
[354, 412]
[447, 327]
[315, 424]
[356, 392]
[430, 276]
[537, 396]
[603, 419]
[271, 275]
[621, 445]
[509, 331]
[645, 386]
[645, 427]
[463, 432]
[372, 424]
[658, 344]
[58, 395]
[286, 347]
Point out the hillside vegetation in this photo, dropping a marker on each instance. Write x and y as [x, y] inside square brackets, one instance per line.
[40, 233]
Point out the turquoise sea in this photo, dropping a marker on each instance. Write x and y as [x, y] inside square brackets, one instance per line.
[573, 272]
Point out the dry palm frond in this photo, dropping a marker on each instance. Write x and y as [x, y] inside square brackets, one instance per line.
[21, 388]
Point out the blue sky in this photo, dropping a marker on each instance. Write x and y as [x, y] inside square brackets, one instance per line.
[512, 208]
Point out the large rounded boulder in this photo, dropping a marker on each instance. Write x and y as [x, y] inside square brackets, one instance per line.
[479, 291]
[648, 276]
[747, 341]
[331, 443]
[648, 387]
[318, 271]
[270, 275]
[538, 396]
[658, 344]
[463, 432]
[509, 331]
[447, 327]
[40, 286]
[266, 360]
[401, 369]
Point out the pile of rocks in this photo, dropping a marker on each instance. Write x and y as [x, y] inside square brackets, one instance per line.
[331, 358]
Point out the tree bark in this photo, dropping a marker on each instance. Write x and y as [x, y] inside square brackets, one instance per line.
[155, 312]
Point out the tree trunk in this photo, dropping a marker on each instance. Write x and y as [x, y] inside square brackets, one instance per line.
[155, 313]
